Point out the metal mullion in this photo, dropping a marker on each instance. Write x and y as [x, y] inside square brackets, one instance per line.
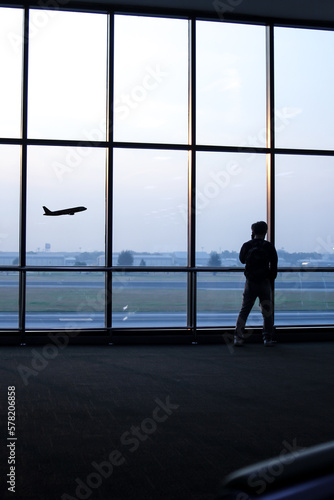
[191, 278]
[270, 105]
[109, 175]
[270, 141]
[23, 186]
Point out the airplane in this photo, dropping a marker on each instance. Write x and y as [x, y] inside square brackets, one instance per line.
[66, 211]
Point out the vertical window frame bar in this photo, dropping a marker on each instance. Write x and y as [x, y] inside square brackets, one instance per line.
[270, 125]
[23, 184]
[191, 303]
[109, 173]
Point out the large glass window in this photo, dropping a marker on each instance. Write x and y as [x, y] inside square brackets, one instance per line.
[67, 75]
[304, 298]
[150, 201]
[9, 204]
[62, 178]
[230, 84]
[146, 300]
[11, 50]
[9, 300]
[231, 195]
[304, 80]
[151, 79]
[304, 204]
[67, 301]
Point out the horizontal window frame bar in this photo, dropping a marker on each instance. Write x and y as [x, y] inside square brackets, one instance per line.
[201, 148]
[152, 269]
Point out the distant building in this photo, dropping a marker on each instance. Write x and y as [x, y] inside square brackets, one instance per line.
[8, 258]
[150, 259]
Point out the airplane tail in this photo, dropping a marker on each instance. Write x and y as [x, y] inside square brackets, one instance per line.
[46, 211]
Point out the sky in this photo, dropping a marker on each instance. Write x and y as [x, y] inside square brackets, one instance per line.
[67, 98]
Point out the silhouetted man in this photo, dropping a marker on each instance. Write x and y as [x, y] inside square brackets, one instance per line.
[260, 258]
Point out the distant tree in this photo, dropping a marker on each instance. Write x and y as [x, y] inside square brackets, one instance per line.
[80, 263]
[214, 260]
[142, 263]
[15, 261]
[125, 258]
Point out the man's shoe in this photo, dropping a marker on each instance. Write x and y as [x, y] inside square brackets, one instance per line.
[238, 341]
[269, 343]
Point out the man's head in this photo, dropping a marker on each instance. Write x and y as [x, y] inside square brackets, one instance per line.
[259, 229]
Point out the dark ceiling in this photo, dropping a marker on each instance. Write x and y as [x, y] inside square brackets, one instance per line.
[299, 10]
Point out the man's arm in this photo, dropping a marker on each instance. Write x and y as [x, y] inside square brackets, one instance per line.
[243, 253]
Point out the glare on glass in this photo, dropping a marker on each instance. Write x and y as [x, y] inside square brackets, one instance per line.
[11, 51]
[230, 84]
[230, 197]
[304, 208]
[150, 202]
[151, 79]
[9, 204]
[61, 178]
[67, 75]
[304, 81]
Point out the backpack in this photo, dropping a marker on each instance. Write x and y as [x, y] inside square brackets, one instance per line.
[257, 263]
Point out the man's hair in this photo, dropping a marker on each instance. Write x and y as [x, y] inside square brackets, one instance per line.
[260, 228]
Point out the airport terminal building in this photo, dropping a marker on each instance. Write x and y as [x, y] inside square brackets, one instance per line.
[213, 117]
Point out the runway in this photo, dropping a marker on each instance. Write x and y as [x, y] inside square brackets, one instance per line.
[137, 319]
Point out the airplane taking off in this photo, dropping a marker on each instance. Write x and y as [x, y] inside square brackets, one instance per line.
[66, 211]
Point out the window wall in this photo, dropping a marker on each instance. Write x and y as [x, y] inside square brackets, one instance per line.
[172, 136]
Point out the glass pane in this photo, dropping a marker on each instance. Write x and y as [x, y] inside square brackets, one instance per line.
[65, 300]
[64, 178]
[9, 300]
[231, 196]
[151, 79]
[231, 84]
[11, 36]
[304, 205]
[9, 204]
[144, 300]
[219, 297]
[304, 81]
[150, 201]
[67, 75]
[304, 299]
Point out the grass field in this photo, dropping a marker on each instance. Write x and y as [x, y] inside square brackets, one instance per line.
[67, 298]
[92, 300]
